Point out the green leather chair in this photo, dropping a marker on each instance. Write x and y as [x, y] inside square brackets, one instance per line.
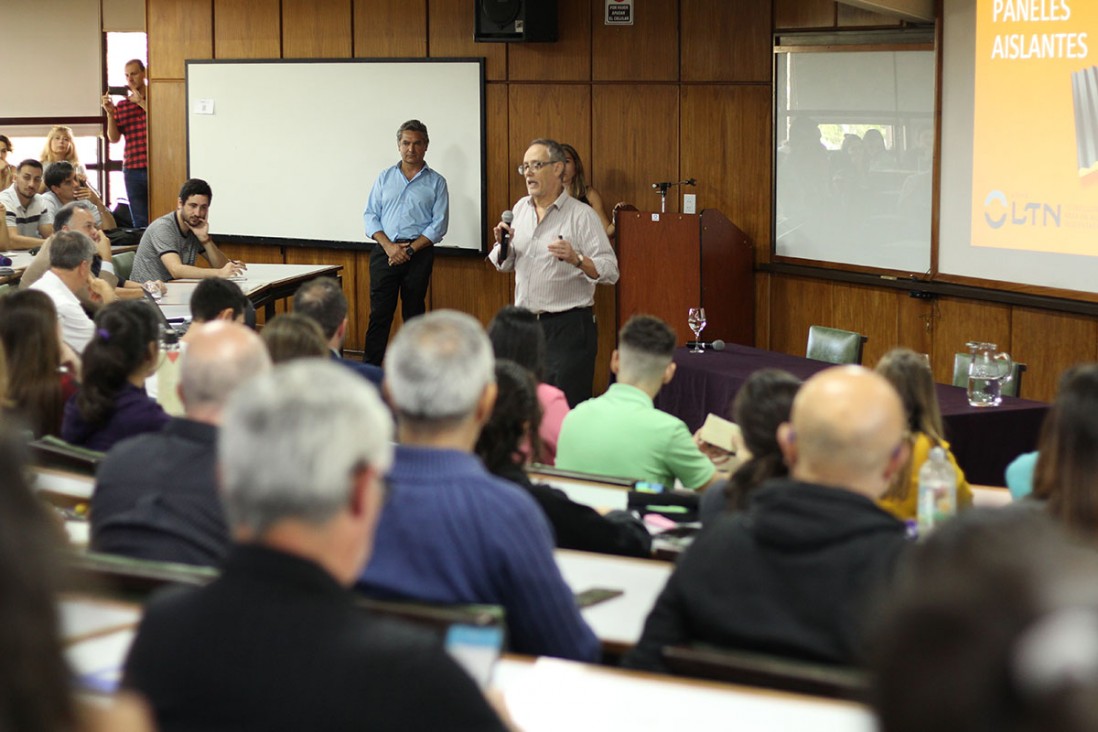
[123, 264]
[834, 345]
[1011, 388]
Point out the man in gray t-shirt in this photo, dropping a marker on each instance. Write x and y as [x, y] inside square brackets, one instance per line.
[172, 243]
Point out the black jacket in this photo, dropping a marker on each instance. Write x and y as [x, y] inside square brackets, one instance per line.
[790, 576]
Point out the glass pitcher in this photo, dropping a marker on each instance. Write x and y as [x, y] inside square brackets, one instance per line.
[988, 370]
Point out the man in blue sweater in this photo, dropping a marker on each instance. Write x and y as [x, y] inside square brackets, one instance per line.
[452, 532]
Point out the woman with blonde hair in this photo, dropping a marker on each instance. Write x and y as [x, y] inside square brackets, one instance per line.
[60, 146]
[576, 185]
[909, 373]
[7, 170]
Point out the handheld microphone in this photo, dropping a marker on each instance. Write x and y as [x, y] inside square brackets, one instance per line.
[505, 236]
[717, 345]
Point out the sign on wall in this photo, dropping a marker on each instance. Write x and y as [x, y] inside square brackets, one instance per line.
[619, 12]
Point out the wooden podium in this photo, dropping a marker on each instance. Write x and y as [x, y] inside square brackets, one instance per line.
[670, 263]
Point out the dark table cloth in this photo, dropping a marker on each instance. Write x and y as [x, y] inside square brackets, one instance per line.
[984, 440]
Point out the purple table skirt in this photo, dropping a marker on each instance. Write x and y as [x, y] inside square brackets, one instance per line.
[983, 440]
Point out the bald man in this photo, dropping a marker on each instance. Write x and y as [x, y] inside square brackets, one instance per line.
[793, 574]
[156, 494]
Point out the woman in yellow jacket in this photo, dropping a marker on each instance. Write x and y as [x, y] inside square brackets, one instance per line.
[910, 375]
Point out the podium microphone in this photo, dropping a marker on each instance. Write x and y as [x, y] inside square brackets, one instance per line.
[717, 345]
[505, 236]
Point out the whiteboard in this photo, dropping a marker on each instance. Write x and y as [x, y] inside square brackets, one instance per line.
[291, 148]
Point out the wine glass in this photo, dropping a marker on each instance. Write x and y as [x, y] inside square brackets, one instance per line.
[695, 318]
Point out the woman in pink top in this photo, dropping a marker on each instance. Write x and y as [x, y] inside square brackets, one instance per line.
[516, 335]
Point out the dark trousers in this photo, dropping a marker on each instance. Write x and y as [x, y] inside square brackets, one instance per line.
[410, 281]
[572, 341]
[137, 193]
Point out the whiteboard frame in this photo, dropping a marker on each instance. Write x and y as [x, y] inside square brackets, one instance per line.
[379, 150]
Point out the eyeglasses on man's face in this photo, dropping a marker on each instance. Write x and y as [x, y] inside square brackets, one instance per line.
[534, 165]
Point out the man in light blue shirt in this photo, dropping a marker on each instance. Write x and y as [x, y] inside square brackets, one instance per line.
[407, 214]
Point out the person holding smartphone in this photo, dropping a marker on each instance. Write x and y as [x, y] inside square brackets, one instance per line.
[128, 118]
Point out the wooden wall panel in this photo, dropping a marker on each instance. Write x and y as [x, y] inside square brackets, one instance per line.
[726, 40]
[793, 14]
[569, 59]
[390, 28]
[958, 321]
[725, 143]
[361, 297]
[247, 29]
[167, 145]
[558, 111]
[801, 303]
[316, 28]
[178, 30]
[762, 310]
[471, 285]
[648, 50]
[915, 323]
[851, 17]
[450, 24]
[254, 253]
[356, 326]
[623, 166]
[870, 311]
[1049, 343]
[500, 154]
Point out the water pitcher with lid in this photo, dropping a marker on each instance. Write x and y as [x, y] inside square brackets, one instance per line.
[988, 370]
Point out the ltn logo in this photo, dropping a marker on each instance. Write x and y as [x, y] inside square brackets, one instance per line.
[1031, 213]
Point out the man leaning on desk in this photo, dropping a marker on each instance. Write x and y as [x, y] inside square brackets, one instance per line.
[172, 243]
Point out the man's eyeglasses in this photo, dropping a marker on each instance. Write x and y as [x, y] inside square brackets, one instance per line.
[534, 165]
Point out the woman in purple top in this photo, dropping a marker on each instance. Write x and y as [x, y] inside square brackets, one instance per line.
[111, 404]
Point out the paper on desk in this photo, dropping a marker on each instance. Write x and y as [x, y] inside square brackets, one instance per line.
[719, 432]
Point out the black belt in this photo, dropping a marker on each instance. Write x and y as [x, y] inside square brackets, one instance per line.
[547, 316]
[403, 241]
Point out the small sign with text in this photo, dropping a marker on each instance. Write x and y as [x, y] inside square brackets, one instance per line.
[619, 12]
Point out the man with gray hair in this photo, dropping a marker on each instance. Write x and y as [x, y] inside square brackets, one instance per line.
[795, 573]
[68, 281]
[621, 433]
[276, 642]
[454, 533]
[156, 494]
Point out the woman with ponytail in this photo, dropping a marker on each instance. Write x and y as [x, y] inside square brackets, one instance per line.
[112, 404]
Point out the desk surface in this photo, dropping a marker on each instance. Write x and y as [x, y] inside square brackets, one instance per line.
[984, 440]
[617, 622]
[260, 283]
[551, 694]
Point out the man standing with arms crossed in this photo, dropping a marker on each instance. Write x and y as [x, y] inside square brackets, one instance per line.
[407, 213]
[558, 252]
[129, 118]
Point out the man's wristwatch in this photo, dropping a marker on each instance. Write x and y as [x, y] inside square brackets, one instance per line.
[409, 250]
[579, 260]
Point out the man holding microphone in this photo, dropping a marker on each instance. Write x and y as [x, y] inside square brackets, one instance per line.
[558, 250]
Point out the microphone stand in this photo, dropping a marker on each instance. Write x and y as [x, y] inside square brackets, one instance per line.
[663, 186]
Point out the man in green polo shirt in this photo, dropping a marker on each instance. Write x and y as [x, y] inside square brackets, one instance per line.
[621, 433]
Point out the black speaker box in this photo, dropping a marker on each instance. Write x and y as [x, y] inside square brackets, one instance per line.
[515, 21]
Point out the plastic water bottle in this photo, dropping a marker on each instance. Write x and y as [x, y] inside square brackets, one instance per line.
[937, 491]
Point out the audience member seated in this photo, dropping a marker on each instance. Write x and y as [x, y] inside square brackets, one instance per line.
[70, 279]
[276, 642]
[1066, 476]
[1019, 475]
[25, 207]
[112, 404]
[794, 574]
[621, 433]
[576, 526]
[171, 244]
[7, 170]
[59, 148]
[36, 686]
[994, 626]
[156, 494]
[516, 335]
[453, 532]
[40, 378]
[290, 336]
[761, 406]
[63, 186]
[323, 300]
[910, 375]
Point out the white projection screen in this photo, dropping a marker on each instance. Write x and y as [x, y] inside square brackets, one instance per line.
[1019, 200]
[853, 176]
[291, 148]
